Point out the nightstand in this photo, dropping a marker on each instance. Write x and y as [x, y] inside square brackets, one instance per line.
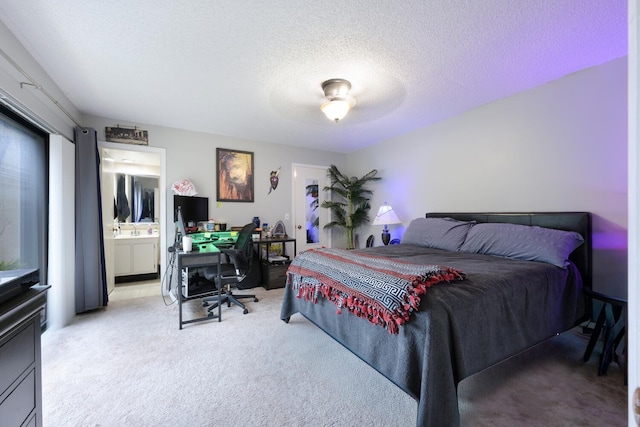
[611, 325]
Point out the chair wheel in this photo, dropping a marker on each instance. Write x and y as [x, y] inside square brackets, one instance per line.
[245, 311]
[255, 300]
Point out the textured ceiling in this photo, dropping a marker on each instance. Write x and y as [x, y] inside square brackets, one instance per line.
[253, 69]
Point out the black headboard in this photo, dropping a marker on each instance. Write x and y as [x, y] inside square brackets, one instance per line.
[568, 221]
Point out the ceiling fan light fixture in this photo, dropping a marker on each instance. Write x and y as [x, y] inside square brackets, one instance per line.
[336, 110]
[339, 101]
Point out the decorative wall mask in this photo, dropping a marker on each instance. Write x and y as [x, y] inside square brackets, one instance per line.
[273, 179]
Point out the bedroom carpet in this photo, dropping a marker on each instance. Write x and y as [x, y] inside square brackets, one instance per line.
[130, 365]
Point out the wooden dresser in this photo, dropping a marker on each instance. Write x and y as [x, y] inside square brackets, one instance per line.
[20, 363]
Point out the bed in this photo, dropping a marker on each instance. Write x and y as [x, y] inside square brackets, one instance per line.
[509, 300]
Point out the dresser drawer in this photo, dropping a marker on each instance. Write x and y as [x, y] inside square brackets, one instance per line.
[17, 354]
[21, 403]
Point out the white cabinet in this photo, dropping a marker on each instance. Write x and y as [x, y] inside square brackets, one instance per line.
[144, 258]
[122, 258]
[136, 255]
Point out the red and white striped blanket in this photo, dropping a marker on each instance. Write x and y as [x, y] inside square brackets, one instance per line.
[383, 290]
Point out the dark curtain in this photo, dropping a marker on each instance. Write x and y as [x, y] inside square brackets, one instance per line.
[91, 277]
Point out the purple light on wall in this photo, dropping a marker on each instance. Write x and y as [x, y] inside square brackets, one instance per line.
[609, 240]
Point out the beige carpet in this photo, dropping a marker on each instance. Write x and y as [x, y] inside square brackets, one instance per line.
[130, 365]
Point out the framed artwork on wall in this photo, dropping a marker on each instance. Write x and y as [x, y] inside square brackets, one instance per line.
[126, 135]
[234, 169]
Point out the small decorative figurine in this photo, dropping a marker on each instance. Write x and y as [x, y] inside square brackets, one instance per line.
[279, 230]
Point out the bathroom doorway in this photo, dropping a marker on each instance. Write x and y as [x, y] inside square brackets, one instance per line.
[133, 187]
[308, 216]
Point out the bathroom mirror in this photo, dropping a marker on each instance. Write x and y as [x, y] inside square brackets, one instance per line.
[136, 198]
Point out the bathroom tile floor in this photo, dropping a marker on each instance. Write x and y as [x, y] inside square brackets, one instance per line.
[124, 291]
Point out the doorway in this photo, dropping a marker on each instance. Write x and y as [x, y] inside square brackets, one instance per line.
[309, 217]
[131, 166]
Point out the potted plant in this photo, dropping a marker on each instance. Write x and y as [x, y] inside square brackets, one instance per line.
[349, 202]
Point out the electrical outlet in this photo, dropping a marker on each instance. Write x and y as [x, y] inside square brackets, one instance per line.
[286, 217]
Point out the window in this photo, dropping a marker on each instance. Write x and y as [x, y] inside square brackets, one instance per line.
[24, 188]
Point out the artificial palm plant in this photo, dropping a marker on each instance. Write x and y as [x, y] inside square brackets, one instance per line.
[349, 202]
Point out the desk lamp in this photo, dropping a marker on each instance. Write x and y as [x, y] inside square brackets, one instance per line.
[386, 216]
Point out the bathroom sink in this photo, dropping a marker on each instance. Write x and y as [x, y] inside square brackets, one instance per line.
[144, 235]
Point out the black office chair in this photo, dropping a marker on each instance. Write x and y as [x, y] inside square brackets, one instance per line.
[241, 257]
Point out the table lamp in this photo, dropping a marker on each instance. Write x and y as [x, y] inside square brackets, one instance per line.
[386, 216]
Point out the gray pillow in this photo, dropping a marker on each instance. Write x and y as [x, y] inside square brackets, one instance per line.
[525, 242]
[440, 233]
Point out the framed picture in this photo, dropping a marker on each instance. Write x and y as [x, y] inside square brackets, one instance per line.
[126, 135]
[235, 175]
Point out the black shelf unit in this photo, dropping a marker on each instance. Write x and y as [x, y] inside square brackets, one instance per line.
[274, 272]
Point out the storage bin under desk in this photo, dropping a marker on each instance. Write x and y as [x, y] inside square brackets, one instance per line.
[274, 275]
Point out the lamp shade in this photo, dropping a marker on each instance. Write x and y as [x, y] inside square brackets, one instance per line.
[336, 110]
[386, 216]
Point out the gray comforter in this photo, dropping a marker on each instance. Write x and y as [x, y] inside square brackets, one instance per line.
[503, 307]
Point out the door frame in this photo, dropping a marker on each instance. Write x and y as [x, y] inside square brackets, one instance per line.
[162, 226]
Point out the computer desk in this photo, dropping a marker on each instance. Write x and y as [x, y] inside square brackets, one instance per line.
[207, 255]
[218, 238]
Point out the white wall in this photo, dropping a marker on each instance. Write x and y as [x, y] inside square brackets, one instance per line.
[31, 98]
[192, 155]
[557, 147]
[61, 306]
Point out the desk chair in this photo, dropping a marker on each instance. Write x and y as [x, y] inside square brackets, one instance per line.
[241, 256]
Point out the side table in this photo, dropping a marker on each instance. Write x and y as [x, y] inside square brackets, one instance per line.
[273, 273]
[611, 324]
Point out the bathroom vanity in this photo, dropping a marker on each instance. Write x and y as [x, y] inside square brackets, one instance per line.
[135, 255]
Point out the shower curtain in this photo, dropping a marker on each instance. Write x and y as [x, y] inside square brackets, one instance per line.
[91, 276]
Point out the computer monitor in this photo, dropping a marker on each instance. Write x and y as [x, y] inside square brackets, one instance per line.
[194, 209]
[180, 223]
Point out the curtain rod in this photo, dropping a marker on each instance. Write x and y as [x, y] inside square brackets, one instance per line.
[35, 84]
